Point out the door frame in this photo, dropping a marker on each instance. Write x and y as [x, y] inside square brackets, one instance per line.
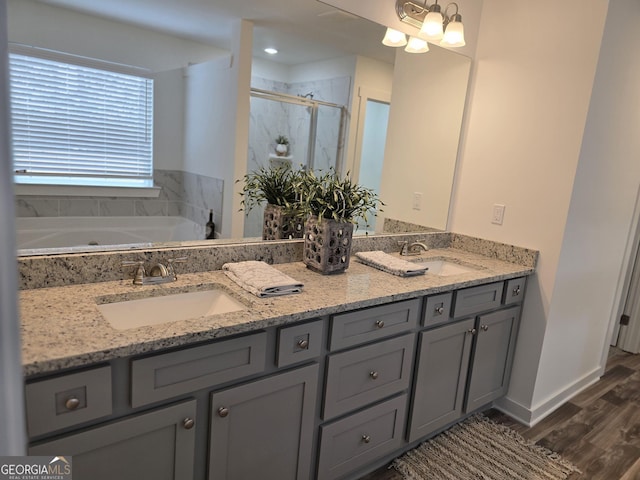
[624, 283]
[364, 95]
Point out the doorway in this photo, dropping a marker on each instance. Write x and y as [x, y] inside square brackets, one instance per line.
[626, 331]
[371, 138]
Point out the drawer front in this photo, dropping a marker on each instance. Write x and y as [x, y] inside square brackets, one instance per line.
[470, 301]
[514, 291]
[359, 439]
[367, 374]
[172, 374]
[299, 343]
[68, 400]
[437, 309]
[354, 328]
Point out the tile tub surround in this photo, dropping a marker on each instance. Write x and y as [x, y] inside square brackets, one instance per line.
[44, 271]
[62, 328]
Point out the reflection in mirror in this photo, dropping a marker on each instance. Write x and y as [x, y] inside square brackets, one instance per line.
[190, 175]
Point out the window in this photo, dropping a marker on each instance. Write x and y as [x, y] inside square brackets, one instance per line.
[79, 122]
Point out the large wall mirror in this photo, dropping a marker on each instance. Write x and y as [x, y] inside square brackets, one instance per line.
[390, 118]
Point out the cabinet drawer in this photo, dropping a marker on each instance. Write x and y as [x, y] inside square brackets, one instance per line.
[299, 343]
[353, 328]
[514, 291]
[367, 374]
[68, 400]
[359, 439]
[171, 374]
[437, 309]
[470, 301]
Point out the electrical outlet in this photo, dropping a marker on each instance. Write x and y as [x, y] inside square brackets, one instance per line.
[497, 215]
[417, 200]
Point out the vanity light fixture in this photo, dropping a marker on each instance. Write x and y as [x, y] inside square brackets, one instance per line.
[416, 45]
[435, 27]
[394, 38]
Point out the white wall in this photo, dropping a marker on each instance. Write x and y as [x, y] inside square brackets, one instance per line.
[427, 106]
[522, 144]
[600, 214]
[38, 24]
[217, 123]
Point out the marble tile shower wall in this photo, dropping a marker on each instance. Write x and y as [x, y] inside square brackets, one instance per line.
[181, 194]
[269, 119]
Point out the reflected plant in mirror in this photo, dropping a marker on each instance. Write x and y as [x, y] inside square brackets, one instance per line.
[279, 188]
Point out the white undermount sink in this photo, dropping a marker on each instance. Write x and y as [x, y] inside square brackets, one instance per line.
[444, 268]
[123, 315]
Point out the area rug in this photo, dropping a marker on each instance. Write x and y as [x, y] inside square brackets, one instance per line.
[480, 449]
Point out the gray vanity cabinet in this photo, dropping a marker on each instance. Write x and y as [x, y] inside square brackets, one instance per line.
[492, 356]
[265, 428]
[158, 444]
[440, 379]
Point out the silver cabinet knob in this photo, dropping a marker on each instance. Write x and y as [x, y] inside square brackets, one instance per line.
[516, 291]
[439, 310]
[223, 412]
[472, 331]
[484, 328]
[379, 323]
[188, 423]
[373, 375]
[72, 403]
[304, 344]
[366, 438]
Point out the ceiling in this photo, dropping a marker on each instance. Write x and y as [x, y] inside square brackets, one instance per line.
[301, 30]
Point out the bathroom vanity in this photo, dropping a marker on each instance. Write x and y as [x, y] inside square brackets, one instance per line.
[328, 384]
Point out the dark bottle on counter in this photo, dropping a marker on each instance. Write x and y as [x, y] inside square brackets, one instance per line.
[210, 228]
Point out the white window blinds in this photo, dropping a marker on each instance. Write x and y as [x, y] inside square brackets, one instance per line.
[79, 125]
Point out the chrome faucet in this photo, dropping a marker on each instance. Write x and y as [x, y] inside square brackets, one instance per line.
[158, 274]
[412, 249]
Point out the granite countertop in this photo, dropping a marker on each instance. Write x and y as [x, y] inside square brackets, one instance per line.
[62, 327]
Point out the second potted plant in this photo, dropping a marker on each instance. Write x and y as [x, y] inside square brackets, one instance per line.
[333, 205]
[278, 187]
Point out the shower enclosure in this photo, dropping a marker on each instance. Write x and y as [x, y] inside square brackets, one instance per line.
[315, 130]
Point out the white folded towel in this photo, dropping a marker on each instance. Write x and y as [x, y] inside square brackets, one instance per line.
[261, 279]
[387, 263]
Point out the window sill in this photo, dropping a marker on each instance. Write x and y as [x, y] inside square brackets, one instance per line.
[85, 191]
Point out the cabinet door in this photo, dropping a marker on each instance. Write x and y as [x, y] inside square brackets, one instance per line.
[441, 377]
[492, 357]
[158, 445]
[264, 429]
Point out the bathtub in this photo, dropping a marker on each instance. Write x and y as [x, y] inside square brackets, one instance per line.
[102, 233]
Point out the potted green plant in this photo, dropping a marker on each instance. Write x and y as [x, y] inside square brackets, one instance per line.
[333, 205]
[278, 187]
[282, 146]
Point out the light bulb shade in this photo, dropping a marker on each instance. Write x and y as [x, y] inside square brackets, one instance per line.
[416, 45]
[453, 35]
[394, 38]
[432, 27]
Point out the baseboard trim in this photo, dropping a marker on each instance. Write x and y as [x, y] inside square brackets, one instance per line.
[532, 416]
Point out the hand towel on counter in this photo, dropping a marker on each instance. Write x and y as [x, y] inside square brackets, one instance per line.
[261, 279]
[387, 263]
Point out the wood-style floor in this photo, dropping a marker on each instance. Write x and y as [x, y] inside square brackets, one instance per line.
[598, 430]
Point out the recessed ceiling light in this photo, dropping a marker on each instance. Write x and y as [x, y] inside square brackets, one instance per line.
[271, 51]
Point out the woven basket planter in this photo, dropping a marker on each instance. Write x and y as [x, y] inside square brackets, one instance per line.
[327, 245]
[278, 225]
